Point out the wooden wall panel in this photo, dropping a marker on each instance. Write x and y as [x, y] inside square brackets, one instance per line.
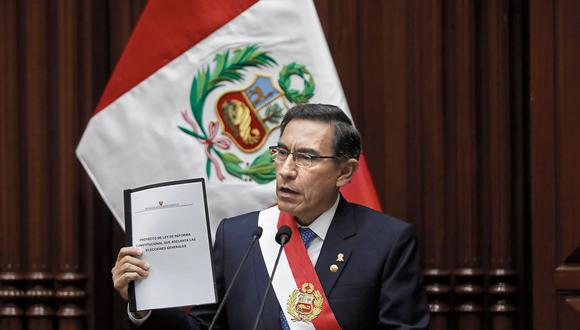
[43, 96]
[499, 194]
[427, 157]
[440, 106]
[542, 167]
[11, 276]
[567, 120]
[342, 26]
[93, 72]
[554, 161]
[37, 163]
[463, 168]
[69, 283]
[383, 99]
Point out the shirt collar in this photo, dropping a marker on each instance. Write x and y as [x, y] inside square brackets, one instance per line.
[321, 224]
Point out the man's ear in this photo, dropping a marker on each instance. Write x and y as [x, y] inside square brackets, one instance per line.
[347, 170]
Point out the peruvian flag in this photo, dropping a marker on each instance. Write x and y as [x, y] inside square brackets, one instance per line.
[200, 91]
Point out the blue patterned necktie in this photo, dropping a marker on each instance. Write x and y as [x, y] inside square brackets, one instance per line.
[307, 237]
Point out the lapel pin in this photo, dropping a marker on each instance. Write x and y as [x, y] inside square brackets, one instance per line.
[340, 257]
[334, 268]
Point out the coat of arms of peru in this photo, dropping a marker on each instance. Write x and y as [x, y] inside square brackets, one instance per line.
[246, 115]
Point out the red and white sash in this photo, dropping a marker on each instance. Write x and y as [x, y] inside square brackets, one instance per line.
[296, 283]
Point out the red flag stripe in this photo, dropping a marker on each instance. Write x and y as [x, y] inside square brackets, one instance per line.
[361, 189]
[166, 29]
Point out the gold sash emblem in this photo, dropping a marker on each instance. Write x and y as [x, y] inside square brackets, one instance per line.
[305, 304]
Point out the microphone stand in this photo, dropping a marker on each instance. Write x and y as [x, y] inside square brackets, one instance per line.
[255, 236]
[282, 237]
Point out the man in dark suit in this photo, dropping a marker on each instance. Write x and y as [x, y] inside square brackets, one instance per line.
[350, 268]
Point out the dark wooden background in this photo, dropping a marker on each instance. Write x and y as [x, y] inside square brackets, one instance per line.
[470, 113]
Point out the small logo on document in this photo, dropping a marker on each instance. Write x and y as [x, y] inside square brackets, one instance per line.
[162, 205]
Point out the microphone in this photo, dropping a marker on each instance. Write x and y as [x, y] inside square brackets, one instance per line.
[282, 237]
[255, 236]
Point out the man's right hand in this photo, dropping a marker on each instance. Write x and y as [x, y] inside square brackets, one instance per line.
[128, 267]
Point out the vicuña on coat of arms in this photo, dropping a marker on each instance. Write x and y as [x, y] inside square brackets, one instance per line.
[245, 115]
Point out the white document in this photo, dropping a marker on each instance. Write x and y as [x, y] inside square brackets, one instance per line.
[169, 222]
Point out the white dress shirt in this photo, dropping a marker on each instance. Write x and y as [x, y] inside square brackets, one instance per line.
[320, 227]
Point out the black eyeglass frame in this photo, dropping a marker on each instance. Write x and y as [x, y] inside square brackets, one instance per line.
[275, 151]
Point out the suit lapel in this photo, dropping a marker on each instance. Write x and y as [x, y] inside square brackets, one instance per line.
[337, 241]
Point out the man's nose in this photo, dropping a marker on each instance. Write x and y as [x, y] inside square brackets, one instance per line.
[287, 169]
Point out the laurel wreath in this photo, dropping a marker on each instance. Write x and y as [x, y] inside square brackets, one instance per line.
[229, 67]
[294, 95]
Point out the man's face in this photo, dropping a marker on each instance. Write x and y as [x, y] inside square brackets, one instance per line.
[306, 192]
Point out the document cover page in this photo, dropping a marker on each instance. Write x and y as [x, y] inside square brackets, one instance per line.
[169, 222]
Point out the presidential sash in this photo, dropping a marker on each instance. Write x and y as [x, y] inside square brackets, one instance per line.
[296, 283]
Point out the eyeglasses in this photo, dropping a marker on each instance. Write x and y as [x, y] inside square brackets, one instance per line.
[301, 159]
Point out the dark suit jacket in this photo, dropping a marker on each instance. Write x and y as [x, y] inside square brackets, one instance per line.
[379, 286]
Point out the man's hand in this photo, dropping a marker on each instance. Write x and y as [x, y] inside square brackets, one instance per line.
[128, 267]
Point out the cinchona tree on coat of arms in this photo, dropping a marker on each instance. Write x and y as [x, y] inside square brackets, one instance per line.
[247, 116]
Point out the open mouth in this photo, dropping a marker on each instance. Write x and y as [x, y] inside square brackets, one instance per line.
[287, 190]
